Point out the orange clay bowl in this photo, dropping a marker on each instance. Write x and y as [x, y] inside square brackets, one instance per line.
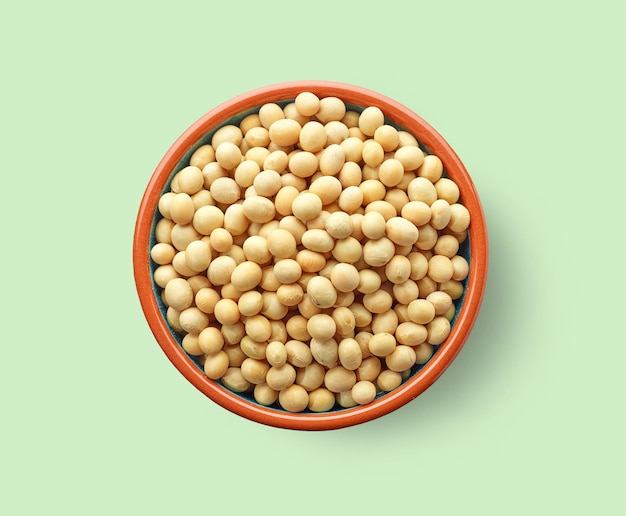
[474, 249]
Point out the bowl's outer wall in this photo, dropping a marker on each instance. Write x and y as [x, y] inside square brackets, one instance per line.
[476, 282]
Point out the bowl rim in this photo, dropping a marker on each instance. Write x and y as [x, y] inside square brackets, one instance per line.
[414, 386]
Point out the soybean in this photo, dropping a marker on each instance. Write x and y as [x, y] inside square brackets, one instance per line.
[310, 255]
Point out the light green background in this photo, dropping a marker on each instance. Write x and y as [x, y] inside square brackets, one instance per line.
[530, 417]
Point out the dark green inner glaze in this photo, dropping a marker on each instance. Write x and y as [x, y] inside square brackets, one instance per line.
[464, 249]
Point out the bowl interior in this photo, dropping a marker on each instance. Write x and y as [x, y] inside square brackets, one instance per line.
[464, 250]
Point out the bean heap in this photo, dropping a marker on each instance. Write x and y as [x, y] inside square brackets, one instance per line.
[309, 255]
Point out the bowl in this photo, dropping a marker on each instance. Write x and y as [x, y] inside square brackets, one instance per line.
[474, 249]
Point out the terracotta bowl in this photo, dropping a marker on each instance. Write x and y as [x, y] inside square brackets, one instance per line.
[475, 250]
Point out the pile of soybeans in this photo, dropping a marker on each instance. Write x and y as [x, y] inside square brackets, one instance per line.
[308, 256]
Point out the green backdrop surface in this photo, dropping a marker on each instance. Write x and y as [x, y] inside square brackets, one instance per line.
[530, 417]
